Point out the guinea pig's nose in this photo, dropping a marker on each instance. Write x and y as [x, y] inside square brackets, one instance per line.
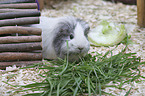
[80, 48]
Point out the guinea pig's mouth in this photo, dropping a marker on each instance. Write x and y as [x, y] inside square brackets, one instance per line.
[76, 54]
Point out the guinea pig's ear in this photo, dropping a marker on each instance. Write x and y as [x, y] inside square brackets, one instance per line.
[85, 25]
[87, 29]
[64, 29]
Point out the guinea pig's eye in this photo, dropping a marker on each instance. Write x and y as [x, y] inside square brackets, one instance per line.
[71, 36]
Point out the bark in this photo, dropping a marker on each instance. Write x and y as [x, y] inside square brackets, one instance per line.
[40, 4]
[20, 56]
[141, 12]
[10, 15]
[20, 6]
[19, 21]
[130, 2]
[19, 39]
[20, 47]
[16, 10]
[20, 30]
[16, 1]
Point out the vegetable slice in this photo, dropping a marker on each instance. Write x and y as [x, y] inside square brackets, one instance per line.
[107, 34]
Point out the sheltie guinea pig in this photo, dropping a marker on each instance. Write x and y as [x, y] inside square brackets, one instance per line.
[62, 36]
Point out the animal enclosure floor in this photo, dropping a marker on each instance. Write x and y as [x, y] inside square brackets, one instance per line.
[92, 11]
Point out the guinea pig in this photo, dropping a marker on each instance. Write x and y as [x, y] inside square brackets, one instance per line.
[62, 36]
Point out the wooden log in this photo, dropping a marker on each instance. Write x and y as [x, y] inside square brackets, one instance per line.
[20, 6]
[16, 1]
[36, 51]
[16, 10]
[20, 56]
[20, 47]
[10, 15]
[40, 4]
[3, 65]
[141, 13]
[21, 30]
[20, 39]
[19, 21]
[130, 2]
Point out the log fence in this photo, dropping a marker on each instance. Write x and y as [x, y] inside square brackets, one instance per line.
[19, 45]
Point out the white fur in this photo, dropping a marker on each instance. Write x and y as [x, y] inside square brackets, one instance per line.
[47, 24]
